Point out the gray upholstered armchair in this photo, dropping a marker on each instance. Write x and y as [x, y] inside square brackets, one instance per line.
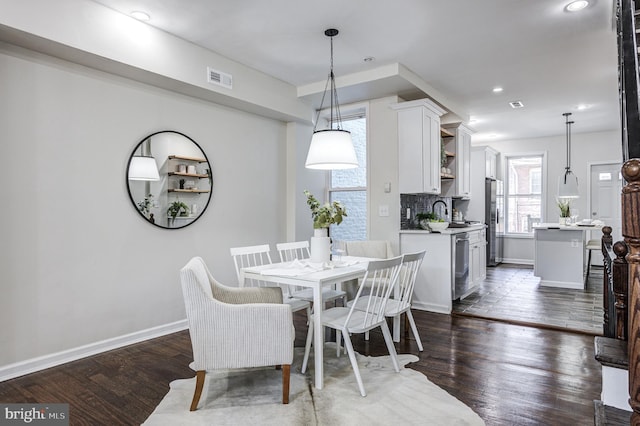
[235, 327]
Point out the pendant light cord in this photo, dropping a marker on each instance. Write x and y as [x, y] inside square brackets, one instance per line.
[331, 83]
[567, 170]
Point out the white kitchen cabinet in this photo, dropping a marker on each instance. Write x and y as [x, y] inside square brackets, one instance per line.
[419, 153]
[439, 273]
[477, 257]
[460, 144]
[488, 156]
[491, 163]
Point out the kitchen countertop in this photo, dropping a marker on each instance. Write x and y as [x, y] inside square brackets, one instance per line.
[568, 227]
[448, 231]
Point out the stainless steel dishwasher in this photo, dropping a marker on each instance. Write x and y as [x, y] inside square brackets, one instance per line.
[461, 265]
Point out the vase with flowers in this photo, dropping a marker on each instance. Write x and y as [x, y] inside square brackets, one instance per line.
[565, 211]
[324, 215]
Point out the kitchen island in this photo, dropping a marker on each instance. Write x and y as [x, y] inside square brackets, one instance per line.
[559, 259]
[454, 264]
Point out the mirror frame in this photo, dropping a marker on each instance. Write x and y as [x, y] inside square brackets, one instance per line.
[137, 150]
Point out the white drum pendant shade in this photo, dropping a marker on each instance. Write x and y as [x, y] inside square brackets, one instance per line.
[331, 150]
[568, 186]
[143, 168]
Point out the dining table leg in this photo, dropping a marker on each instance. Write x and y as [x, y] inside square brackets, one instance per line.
[318, 331]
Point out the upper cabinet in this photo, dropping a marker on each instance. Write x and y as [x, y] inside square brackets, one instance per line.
[419, 151]
[491, 163]
[460, 145]
[490, 158]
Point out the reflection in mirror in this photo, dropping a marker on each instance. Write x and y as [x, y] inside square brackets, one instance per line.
[169, 179]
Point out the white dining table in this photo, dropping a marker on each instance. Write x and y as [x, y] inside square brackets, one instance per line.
[349, 268]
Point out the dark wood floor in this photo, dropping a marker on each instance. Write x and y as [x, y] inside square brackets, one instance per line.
[508, 374]
[511, 293]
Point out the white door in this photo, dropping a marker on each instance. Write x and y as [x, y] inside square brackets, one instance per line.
[606, 185]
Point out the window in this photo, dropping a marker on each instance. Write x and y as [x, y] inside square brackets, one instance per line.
[523, 192]
[350, 186]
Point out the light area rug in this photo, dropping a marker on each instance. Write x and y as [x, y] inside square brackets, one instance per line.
[254, 397]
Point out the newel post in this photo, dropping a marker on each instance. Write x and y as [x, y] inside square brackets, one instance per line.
[631, 234]
[606, 241]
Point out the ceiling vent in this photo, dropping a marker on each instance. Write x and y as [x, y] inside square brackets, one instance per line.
[516, 104]
[219, 78]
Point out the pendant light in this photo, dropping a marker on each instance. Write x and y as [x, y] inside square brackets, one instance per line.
[331, 149]
[568, 183]
[144, 166]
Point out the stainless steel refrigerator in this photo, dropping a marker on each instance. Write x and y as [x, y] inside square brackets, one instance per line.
[494, 219]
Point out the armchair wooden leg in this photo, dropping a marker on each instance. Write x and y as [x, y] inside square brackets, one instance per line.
[286, 376]
[198, 392]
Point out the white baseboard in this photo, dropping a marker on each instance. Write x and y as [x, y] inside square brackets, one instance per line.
[40, 363]
[518, 261]
[615, 388]
[431, 307]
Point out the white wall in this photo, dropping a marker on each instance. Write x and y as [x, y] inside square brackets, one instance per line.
[383, 168]
[585, 148]
[79, 264]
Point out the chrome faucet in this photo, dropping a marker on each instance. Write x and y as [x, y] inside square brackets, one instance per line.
[433, 207]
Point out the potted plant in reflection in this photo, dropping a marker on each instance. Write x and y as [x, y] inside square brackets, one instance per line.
[177, 208]
[565, 211]
[145, 205]
[324, 215]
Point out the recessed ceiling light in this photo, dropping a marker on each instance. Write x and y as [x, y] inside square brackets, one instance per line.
[497, 89]
[369, 59]
[516, 104]
[582, 107]
[577, 5]
[140, 16]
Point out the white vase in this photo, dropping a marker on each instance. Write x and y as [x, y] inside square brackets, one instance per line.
[320, 246]
[563, 220]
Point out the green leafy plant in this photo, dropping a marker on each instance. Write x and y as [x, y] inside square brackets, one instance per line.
[177, 208]
[565, 208]
[145, 205]
[325, 215]
[430, 217]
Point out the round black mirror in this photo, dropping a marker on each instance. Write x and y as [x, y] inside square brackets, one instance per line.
[169, 179]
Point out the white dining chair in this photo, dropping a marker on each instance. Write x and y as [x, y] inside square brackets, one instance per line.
[300, 250]
[382, 276]
[401, 303]
[245, 257]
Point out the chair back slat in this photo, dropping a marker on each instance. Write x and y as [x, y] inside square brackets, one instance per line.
[379, 280]
[289, 252]
[295, 250]
[245, 257]
[411, 263]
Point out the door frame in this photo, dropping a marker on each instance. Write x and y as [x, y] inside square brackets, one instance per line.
[589, 167]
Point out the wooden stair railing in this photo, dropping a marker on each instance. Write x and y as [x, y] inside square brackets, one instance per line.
[607, 282]
[620, 290]
[631, 234]
[615, 287]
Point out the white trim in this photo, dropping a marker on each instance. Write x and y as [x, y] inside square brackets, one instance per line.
[615, 387]
[562, 284]
[40, 363]
[431, 307]
[518, 261]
